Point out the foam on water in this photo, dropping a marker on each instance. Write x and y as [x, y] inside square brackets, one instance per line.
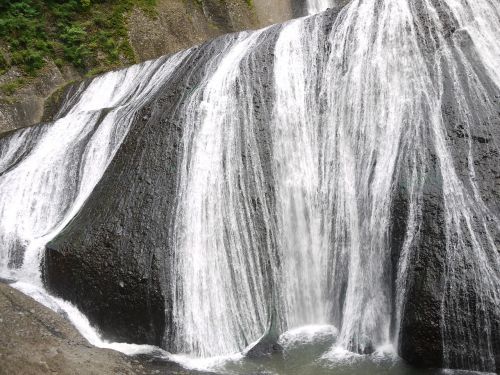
[307, 334]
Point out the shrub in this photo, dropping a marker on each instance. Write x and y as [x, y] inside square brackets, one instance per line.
[31, 60]
[11, 87]
[3, 64]
[90, 35]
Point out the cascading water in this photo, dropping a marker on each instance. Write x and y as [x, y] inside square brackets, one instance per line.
[321, 163]
[220, 274]
[339, 143]
[48, 171]
[301, 213]
[316, 6]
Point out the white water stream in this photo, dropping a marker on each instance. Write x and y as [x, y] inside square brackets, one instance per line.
[48, 171]
[344, 124]
[316, 6]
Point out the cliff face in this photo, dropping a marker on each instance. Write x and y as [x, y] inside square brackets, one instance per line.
[171, 26]
[180, 24]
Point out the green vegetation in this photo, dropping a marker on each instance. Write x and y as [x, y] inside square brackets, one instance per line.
[3, 64]
[10, 87]
[91, 35]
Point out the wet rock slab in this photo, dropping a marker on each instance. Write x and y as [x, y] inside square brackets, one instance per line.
[35, 340]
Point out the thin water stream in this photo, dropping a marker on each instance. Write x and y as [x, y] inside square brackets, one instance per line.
[316, 6]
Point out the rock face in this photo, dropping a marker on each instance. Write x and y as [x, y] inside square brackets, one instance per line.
[443, 325]
[113, 260]
[26, 107]
[275, 12]
[450, 316]
[109, 256]
[181, 24]
[36, 340]
[421, 338]
[176, 25]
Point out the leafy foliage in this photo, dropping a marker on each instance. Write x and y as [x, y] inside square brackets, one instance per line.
[10, 87]
[88, 34]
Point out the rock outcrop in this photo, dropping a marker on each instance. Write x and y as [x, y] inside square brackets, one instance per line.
[451, 315]
[35, 340]
[113, 260]
[176, 25]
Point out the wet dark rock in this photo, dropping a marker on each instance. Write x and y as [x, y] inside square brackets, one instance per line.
[268, 345]
[98, 290]
[112, 260]
[420, 336]
[447, 320]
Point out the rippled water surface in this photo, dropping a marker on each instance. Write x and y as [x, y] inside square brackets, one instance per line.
[311, 350]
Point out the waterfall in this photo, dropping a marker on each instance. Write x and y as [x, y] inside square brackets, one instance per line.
[316, 6]
[337, 169]
[338, 145]
[301, 214]
[48, 171]
[221, 277]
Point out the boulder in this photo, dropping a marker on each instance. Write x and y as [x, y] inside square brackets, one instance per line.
[36, 340]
